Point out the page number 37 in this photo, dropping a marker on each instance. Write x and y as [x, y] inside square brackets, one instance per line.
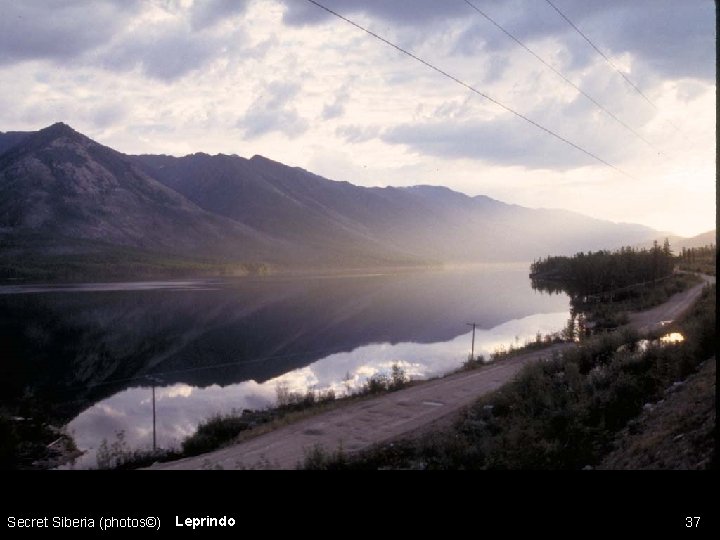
[692, 521]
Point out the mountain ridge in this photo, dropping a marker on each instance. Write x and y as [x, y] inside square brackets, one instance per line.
[65, 190]
[57, 182]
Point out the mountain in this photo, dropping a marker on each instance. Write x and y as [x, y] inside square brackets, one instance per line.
[429, 222]
[11, 138]
[62, 193]
[328, 219]
[677, 243]
[700, 240]
[57, 183]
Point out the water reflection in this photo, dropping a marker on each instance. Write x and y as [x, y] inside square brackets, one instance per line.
[88, 351]
[122, 286]
[641, 346]
[181, 407]
[672, 338]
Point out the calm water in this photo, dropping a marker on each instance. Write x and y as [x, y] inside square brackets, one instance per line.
[91, 351]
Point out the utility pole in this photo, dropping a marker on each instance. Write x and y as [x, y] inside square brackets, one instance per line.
[472, 350]
[154, 381]
[154, 440]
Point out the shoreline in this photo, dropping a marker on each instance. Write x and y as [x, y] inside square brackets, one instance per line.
[286, 274]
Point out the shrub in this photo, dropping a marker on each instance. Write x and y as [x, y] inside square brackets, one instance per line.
[318, 459]
[398, 378]
[214, 433]
[381, 382]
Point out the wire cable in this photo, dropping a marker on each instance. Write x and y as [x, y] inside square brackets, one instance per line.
[473, 89]
[610, 62]
[559, 74]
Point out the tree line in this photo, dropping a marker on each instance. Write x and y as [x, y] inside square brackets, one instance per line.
[696, 254]
[604, 271]
[699, 259]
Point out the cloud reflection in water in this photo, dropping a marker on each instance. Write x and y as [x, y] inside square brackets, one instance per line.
[181, 407]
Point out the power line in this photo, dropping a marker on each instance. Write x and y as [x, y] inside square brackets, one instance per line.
[559, 74]
[472, 89]
[610, 62]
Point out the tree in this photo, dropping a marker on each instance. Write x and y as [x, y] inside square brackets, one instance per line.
[666, 248]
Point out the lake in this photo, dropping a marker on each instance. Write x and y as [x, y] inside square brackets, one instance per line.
[92, 352]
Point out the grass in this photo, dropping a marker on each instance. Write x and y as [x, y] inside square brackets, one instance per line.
[117, 455]
[318, 459]
[216, 431]
[675, 432]
[502, 352]
[561, 414]
[706, 266]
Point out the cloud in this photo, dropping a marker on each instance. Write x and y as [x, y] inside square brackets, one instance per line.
[336, 108]
[510, 141]
[88, 115]
[208, 13]
[357, 134]
[498, 143]
[60, 30]
[108, 114]
[664, 38]
[272, 111]
[674, 39]
[162, 51]
[403, 13]
[118, 35]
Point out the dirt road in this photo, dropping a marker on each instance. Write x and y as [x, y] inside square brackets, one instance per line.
[361, 424]
[647, 320]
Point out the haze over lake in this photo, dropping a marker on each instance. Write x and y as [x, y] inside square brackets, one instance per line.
[91, 352]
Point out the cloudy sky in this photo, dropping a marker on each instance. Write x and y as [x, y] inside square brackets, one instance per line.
[285, 79]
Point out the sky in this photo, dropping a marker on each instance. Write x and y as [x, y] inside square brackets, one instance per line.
[287, 80]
